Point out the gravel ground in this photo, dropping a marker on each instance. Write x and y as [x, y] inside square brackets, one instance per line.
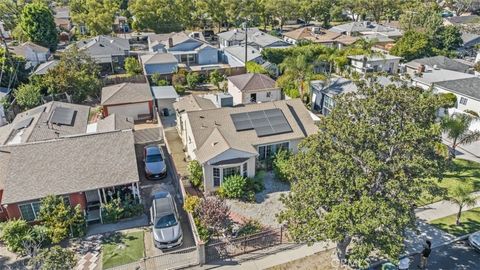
[267, 202]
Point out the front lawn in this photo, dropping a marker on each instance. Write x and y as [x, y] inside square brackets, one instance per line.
[461, 171]
[120, 249]
[470, 222]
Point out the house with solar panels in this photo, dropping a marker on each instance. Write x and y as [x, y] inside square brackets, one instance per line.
[236, 140]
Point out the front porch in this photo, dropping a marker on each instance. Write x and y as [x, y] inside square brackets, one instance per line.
[97, 198]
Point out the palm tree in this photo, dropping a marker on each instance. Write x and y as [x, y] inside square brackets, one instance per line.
[299, 68]
[462, 196]
[457, 129]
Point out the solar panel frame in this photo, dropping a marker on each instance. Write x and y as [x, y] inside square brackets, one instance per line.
[62, 116]
[241, 121]
[265, 122]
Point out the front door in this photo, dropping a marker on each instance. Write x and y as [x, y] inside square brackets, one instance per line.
[253, 97]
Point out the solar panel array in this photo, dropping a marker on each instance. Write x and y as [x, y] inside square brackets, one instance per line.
[265, 122]
[63, 116]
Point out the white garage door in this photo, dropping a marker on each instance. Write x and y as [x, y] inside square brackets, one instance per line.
[131, 110]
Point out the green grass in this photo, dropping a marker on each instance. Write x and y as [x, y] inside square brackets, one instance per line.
[121, 249]
[461, 171]
[469, 223]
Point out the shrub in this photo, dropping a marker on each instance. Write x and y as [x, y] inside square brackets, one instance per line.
[16, 232]
[192, 80]
[132, 66]
[233, 187]
[191, 204]
[281, 164]
[448, 100]
[55, 257]
[180, 89]
[131, 208]
[158, 79]
[179, 78]
[214, 213]
[203, 232]
[474, 113]
[112, 211]
[256, 184]
[195, 173]
[250, 227]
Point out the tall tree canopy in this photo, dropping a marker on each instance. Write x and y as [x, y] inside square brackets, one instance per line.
[37, 24]
[357, 181]
[12, 69]
[161, 16]
[96, 15]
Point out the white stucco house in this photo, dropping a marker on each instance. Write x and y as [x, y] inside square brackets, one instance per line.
[236, 140]
[375, 63]
[252, 88]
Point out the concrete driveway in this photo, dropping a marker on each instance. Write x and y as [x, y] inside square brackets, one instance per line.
[149, 187]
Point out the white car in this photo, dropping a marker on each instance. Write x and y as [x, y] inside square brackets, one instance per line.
[474, 240]
[167, 232]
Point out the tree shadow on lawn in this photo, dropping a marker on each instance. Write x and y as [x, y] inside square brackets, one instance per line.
[118, 238]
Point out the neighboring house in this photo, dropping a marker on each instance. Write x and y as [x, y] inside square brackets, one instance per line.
[86, 170]
[235, 55]
[46, 122]
[470, 40]
[43, 68]
[34, 54]
[189, 49]
[165, 96]
[324, 92]
[235, 140]
[375, 63]
[61, 16]
[114, 122]
[120, 24]
[109, 52]
[461, 20]
[128, 99]
[255, 38]
[426, 76]
[366, 28]
[252, 88]
[466, 90]
[319, 35]
[438, 62]
[161, 63]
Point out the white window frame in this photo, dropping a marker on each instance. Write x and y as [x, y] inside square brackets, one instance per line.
[241, 167]
[35, 215]
[266, 148]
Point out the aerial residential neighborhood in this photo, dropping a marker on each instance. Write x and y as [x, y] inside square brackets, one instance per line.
[239, 134]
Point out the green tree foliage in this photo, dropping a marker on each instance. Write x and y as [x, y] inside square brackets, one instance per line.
[13, 70]
[132, 66]
[191, 204]
[449, 38]
[233, 187]
[253, 67]
[448, 99]
[216, 79]
[281, 162]
[36, 22]
[56, 257]
[16, 232]
[193, 79]
[28, 95]
[10, 11]
[421, 16]
[161, 16]
[96, 15]
[76, 74]
[356, 182]
[462, 196]
[412, 45]
[60, 219]
[457, 128]
[159, 80]
[195, 173]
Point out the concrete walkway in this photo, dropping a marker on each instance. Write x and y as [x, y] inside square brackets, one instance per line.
[137, 222]
[441, 209]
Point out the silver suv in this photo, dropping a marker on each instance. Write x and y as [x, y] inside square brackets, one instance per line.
[167, 232]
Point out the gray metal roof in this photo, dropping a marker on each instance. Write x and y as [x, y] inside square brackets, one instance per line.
[164, 92]
[469, 87]
[68, 165]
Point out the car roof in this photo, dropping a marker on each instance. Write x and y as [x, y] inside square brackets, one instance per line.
[152, 149]
[163, 203]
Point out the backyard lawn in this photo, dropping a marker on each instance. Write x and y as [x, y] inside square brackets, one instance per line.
[120, 249]
[461, 171]
[470, 222]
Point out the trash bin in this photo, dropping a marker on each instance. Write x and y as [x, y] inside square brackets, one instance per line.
[165, 112]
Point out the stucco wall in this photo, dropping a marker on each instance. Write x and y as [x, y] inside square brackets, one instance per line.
[207, 56]
[275, 94]
[166, 68]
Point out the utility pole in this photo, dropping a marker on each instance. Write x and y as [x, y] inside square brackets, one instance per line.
[246, 43]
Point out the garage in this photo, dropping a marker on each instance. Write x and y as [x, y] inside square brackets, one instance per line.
[128, 99]
[164, 97]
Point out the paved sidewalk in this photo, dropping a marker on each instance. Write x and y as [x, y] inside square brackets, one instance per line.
[440, 209]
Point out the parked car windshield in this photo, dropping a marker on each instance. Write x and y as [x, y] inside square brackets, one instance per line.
[166, 221]
[154, 158]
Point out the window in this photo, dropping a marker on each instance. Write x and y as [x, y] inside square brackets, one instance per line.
[463, 101]
[253, 97]
[216, 177]
[231, 171]
[269, 94]
[245, 169]
[30, 211]
[267, 151]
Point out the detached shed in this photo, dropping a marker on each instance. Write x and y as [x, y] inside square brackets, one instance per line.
[164, 97]
[128, 99]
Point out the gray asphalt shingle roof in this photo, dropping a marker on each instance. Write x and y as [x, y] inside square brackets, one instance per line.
[469, 87]
[441, 62]
[68, 165]
[114, 122]
[103, 46]
[126, 93]
[252, 81]
[158, 58]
